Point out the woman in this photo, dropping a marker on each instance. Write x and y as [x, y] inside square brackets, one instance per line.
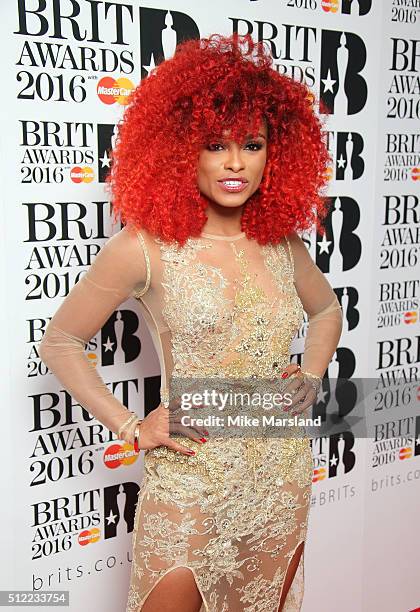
[219, 161]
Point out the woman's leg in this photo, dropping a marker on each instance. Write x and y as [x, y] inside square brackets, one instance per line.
[290, 574]
[176, 591]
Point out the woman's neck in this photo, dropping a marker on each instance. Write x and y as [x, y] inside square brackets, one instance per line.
[223, 221]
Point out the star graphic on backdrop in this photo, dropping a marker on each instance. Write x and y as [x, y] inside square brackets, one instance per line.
[324, 245]
[111, 518]
[328, 82]
[321, 395]
[152, 65]
[105, 160]
[333, 460]
[108, 344]
[341, 162]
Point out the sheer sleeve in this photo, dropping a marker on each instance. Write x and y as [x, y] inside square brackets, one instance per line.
[121, 269]
[325, 319]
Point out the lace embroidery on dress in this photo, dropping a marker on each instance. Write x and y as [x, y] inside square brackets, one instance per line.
[233, 522]
[206, 324]
[235, 512]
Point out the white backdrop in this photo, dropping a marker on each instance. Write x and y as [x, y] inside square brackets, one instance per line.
[69, 500]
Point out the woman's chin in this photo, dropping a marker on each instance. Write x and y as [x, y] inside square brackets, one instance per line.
[229, 200]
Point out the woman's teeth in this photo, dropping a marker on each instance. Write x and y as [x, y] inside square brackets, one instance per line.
[233, 185]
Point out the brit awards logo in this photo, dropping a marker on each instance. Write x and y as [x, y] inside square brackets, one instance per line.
[160, 33]
[119, 506]
[333, 456]
[77, 519]
[348, 297]
[398, 303]
[119, 343]
[346, 149]
[343, 88]
[340, 248]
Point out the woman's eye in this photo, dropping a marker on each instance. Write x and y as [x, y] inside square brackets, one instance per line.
[258, 145]
[213, 144]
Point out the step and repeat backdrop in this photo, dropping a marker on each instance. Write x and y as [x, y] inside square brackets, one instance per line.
[69, 487]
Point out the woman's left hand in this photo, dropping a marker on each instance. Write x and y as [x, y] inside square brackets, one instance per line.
[302, 389]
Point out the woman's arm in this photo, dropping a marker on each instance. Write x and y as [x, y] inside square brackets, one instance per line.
[325, 318]
[121, 267]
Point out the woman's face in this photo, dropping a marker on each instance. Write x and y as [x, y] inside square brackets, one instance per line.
[230, 172]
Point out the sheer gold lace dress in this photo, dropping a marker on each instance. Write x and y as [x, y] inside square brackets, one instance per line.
[218, 306]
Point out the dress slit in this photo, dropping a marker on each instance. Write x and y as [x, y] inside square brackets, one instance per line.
[204, 607]
[296, 577]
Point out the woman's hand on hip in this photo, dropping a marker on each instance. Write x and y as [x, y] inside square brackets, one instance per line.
[154, 431]
[302, 389]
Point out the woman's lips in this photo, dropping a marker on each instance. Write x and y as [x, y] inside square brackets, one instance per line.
[233, 186]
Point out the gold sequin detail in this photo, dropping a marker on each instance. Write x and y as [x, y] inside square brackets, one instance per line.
[215, 336]
[209, 467]
[267, 327]
[201, 329]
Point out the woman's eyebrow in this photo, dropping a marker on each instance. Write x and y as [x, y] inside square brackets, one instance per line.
[250, 136]
[247, 137]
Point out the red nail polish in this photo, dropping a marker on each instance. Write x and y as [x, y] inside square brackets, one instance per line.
[285, 374]
[206, 432]
[191, 452]
[203, 440]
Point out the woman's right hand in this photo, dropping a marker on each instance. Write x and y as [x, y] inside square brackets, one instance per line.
[154, 431]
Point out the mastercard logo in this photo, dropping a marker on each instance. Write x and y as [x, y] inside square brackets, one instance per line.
[80, 174]
[89, 536]
[111, 90]
[120, 454]
[405, 453]
[410, 316]
[319, 474]
[415, 174]
[330, 6]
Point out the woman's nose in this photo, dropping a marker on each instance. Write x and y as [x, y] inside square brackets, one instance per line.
[234, 159]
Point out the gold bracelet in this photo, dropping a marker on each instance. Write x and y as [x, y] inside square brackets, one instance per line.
[317, 380]
[311, 375]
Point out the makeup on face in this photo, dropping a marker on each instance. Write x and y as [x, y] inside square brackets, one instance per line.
[230, 172]
[233, 184]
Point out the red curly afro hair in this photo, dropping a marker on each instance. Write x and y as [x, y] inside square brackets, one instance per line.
[210, 85]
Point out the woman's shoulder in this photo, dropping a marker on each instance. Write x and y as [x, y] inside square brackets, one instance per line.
[294, 239]
[298, 253]
[128, 239]
[296, 244]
